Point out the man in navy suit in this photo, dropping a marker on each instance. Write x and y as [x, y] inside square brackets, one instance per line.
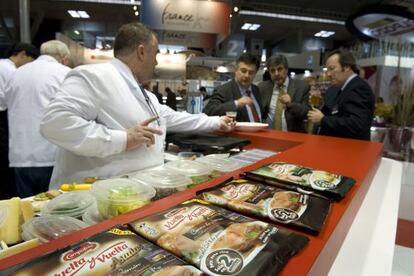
[349, 103]
[239, 94]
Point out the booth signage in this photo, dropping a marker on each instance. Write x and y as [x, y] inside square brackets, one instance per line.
[383, 22]
[201, 40]
[186, 15]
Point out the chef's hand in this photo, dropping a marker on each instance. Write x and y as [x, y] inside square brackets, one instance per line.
[315, 116]
[227, 124]
[141, 134]
[245, 100]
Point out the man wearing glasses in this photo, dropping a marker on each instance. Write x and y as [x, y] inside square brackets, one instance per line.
[106, 124]
[348, 105]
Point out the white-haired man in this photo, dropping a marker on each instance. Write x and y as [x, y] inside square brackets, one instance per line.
[27, 94]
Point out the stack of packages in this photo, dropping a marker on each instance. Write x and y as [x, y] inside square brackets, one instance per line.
[211, 234]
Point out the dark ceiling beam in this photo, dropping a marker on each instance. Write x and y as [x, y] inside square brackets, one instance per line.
[36, 23]
[307, 4]
[294, 10]
[6, 29]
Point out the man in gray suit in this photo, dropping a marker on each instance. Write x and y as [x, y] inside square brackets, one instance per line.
[239, 95]
[285, 100]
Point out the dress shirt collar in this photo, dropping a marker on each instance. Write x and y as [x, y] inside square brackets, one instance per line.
[47, 58]
[243, 90]
[348, 80]
[285, 84]
[10, 62]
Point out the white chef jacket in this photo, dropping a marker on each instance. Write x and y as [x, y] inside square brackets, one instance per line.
[27, 94]
[7, 68]
[90, 116]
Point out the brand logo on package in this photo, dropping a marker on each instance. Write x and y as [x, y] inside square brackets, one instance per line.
[178, 218]
[284, 214]
[224, 262]
[78, 251]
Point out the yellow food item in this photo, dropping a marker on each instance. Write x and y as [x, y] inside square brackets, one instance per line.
[41, 197]
[19, 248]
[10, 226]
[90, 180]
[75, 187]
[51, 194]
[27, 210]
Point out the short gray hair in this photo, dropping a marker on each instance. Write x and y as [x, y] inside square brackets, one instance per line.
[276, 60]
[54, 48]
[129, 36]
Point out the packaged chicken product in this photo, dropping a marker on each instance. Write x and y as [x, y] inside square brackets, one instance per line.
[220, 242]
[115, 252]
[295, 209]
[303, 179]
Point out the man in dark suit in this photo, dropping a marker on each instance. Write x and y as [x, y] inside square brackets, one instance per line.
[239, 94]
[349, 103]
[285, 100]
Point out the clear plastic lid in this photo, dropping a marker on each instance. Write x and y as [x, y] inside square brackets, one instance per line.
[163, 177]
[72, 204]
[4, 211]
[50, 227]
[122, 190]
[92, 215]
[190, 168]
[220, 162]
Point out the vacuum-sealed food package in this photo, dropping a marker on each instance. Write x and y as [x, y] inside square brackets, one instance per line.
[297, 210]
[220, 242]
[117, 251]
[303, 179]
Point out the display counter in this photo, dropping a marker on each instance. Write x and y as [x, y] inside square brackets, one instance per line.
[357, 159]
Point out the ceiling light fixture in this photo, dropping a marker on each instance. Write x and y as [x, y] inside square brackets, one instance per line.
[135, 8]
[250, 26]
[74, 14]
[136, 13]
[78, 14]
[76, 32]
[235, 9]
[83, 14]
[324, 34]
[292, 17]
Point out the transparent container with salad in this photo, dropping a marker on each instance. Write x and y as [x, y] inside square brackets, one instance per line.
[72, 204]
[165, 181]
[121, 195]
[199, 173]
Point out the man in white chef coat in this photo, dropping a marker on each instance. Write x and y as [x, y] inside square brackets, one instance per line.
[103, 121]
[26, 96]
[18, 55]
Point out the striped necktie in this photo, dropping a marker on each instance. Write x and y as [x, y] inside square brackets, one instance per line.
[277, 119]
[253, 107]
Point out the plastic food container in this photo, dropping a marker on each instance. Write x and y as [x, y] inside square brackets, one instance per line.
[165, 181]
[50, 227]
[199, 173]
[120, 195]
[92, 215]
[189, 155]
[220, 162]
[72, 204]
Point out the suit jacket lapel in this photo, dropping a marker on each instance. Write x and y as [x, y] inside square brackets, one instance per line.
[236, 95]
[291, 88]
[343, 93]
